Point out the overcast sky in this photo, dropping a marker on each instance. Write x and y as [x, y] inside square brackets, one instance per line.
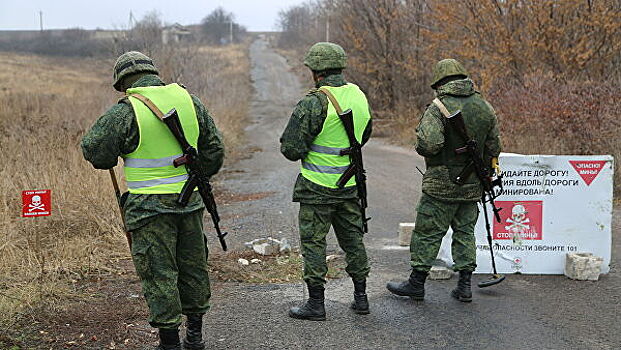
[259, 15]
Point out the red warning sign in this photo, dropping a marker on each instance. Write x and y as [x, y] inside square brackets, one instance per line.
[588, 169]
[36, 203]
[519, 220]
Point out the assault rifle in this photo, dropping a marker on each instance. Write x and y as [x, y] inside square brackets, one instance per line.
[477, 166]
[356, 168]
[196, 176]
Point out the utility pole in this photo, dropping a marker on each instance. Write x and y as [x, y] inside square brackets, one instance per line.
[231, 31]
[328, 28]
[132, 20]
[41, 20]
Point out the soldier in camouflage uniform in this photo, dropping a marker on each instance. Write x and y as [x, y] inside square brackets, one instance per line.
[443, 202]
[168, 247]
[314, 136]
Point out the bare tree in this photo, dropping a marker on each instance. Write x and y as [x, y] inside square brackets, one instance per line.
[219, 27]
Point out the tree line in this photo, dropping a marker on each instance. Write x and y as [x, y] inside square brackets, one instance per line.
[217, 28]
[552, 68]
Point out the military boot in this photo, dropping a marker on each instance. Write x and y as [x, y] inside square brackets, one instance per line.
[194, 333]
[414, 287]
[313, 309]
[463, 291]
[361, 303]
[169, 339]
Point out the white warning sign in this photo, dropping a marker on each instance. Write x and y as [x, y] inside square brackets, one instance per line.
[551, 206]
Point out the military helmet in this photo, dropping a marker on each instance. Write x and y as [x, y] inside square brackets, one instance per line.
[447, 68]
[324, 55]
[129, 63]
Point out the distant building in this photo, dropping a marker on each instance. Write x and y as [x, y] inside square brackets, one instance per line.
[175, 33]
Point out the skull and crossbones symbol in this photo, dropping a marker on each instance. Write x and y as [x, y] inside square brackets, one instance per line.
[518, 222]
[36, 204]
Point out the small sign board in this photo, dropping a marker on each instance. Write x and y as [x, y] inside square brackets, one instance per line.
[36, 203]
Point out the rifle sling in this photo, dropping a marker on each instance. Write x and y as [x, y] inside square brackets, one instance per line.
[332, 99]
[441, 107]
[147, 102]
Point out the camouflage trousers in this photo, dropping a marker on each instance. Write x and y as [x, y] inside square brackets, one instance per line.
[315, 222]
[169, 254]
[433, 219]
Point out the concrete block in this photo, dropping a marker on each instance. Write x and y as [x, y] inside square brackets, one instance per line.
[583, 266]
[440, 273]
[405, 233]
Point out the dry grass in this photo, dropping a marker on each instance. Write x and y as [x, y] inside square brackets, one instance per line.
[47, 104]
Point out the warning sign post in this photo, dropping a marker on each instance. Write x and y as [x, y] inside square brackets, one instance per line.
[551, 206]
[36, 203]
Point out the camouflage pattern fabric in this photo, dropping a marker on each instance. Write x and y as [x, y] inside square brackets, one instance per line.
[304, 125]
[436, 141]
[116, 133]
[315, 222]
[447, 68]
[433, 219]
[129, 63]
[323, 56]
[170, 257]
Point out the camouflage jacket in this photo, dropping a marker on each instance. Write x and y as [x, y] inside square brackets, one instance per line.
[116, 133]
[304, 125]
[437, 142]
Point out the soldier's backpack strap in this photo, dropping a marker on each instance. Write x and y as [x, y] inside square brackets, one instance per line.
[441, 107]
[147, 102]
[332, 99]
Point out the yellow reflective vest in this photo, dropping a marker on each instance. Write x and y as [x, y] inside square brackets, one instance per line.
[149, 169]
[324, 165]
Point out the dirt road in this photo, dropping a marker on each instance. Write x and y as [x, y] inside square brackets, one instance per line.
[525, 312]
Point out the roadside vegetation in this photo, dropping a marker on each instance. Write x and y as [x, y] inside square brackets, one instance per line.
[551, 68]
[47, 264]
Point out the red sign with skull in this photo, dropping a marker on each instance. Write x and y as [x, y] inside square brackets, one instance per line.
[36, 203]
[519, 220]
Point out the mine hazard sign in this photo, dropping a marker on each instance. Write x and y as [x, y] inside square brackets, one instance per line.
[588, 169]
[519, 220]
[36, 203]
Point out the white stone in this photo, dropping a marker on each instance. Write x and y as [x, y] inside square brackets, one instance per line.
[332, 257]
[255, 261]
[440, 273]
[268, 246]
[243, 262]
[405, 233]
[583, 266]
[285, 247]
